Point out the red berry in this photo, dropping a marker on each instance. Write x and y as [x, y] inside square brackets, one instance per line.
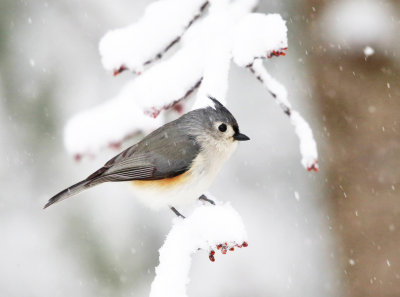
[245, 244]
[313, 167]
[119, 70]
[212, 259]
[153, 112]
[178, 107]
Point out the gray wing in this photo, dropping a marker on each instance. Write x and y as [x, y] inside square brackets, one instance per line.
[167, 152]
[163, 154]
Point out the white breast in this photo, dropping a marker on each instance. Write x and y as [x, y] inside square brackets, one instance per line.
[189, 188]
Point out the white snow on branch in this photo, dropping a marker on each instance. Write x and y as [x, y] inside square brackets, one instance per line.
[160, 27]
[205, 228]
[215, 73]
[308, 146]
[168, 82]
[258, 35]
[203, 58]
[106, 125]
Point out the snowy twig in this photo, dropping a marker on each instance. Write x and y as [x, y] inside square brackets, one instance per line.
[258, 35]
[206, 228]
[145, 41]
[308, 146]
[155, 111]
[106, 125]
[176, 40]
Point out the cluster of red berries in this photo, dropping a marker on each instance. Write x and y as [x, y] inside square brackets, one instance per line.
[277, 53]
[224, 248]
[314, 167]
[153, 112]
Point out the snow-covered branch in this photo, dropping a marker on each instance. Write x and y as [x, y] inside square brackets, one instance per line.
[209, 227]
[106, 125]
[145, 41]
[308, 146]
[228, 31]
[258, 35]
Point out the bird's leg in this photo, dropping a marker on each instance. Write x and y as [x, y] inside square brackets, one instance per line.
[177, 212]
[204, 198]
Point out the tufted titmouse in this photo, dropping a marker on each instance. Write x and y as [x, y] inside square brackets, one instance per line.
[176, 163]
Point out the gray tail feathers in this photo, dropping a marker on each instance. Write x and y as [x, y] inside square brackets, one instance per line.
[73, 190]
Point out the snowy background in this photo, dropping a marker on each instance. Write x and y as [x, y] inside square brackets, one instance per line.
[104, 243]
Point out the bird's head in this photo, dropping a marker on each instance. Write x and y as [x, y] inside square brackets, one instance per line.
[216, 125]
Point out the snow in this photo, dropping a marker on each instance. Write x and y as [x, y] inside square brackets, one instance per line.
[215, 73]
[206, 47]
[92, 130]
[368, 51]
[272, 85]
[162, 23]
[205, 228]
[203, 102]
[168, 81]
[308, 146]
[257, 35]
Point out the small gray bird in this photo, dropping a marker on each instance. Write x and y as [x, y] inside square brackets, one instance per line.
[175, 164]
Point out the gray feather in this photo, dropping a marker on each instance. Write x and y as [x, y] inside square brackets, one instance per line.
[165, 153]
[72, 190]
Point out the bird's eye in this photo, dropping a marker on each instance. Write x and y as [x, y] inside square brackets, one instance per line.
[222, 127]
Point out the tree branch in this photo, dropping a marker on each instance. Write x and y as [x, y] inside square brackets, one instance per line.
[210, 227]
[148, 39]
[308, 146]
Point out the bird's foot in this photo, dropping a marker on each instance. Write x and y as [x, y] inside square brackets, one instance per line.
[204, 198]
[178, 214]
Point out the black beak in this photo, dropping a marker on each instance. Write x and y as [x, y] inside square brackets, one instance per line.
[240, 137]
